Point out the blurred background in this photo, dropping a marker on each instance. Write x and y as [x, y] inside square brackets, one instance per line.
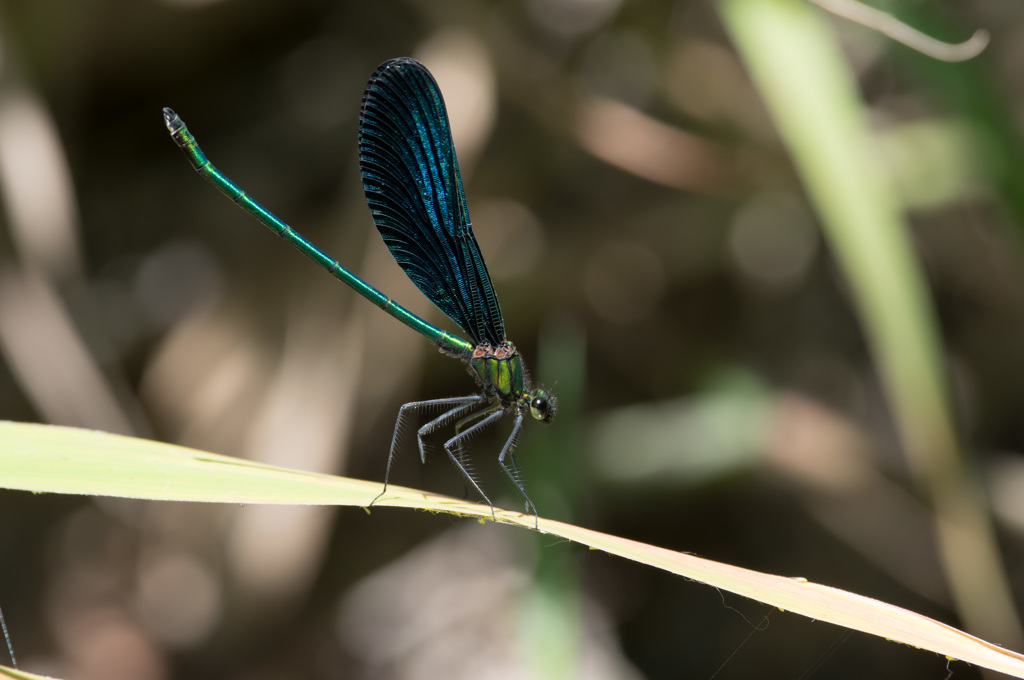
[659, 267]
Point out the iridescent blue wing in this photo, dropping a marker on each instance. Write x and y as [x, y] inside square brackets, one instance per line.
[414, 190]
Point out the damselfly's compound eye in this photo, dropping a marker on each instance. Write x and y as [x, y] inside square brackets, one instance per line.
[542, 406]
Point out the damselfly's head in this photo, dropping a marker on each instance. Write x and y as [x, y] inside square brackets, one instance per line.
[543, 405]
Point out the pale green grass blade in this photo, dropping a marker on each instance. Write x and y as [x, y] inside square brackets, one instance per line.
[75, 461]
[54, 459]
[18, 674]
[812, 95]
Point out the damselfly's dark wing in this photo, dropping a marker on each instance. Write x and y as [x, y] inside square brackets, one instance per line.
[414, 190]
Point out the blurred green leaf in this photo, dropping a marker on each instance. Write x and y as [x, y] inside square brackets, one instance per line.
[811, 92]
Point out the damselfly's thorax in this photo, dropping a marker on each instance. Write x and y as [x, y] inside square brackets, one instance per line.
[499, 370]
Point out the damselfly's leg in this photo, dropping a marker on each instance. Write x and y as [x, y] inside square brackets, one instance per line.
[492, 414]
[463, 423]
[467, 404]
[512, 470]
[458, 404]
